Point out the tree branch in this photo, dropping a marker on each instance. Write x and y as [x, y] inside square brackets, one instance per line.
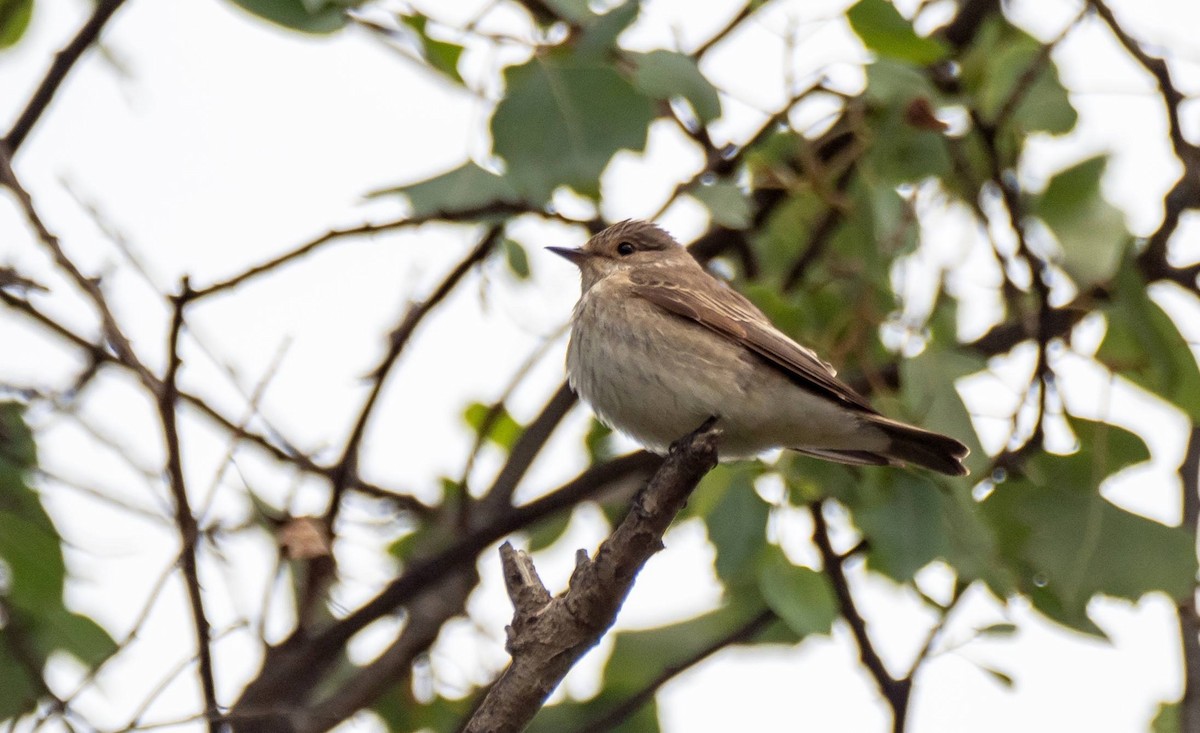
[895, 692]
[64, 61]
[185, 521]
[548, 635]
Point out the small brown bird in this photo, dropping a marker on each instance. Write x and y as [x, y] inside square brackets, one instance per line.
[658, 346]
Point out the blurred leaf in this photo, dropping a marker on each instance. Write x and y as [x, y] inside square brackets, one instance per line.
[1090, 230]
[35, 621]
[802, 597]
[909, 520]
[598, 441]
[517, 260]
[1167, 719]
[1006, 681]
[1143, 345]
[887, 33]
[576, 11]
[639, 657]
[570, 715]
[931, 400]
[18, 691]
[902, 153]
[494, 423]
[79, 636]
[14, 19]
[737, 526]
[598, 41]
[548, 531]
[995, 69]
[894, 84]
[465, 188]
[726, 202]
[441, 56]
[666, 74]
[308, 16]
[561, 122]
[403, 713]
[998, 630]
[1068, 544]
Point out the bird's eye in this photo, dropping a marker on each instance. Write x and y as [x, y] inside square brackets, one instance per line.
[625, 248]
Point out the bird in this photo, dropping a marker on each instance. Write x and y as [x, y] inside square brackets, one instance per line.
[658, 346]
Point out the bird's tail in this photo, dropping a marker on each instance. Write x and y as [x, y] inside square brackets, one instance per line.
[909, 444]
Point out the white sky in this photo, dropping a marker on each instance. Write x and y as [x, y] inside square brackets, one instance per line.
[231, 141]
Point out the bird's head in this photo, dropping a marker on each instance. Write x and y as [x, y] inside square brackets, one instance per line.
[630, 244]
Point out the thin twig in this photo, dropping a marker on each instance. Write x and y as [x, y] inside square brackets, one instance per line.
[185, 521]
[895, 692]
[346, 469]
[64, 61]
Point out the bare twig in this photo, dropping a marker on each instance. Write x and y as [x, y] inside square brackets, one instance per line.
[112, 332]
[345, 472]
[185, 521]
[64, 61]
[547, 635]
[895, 692]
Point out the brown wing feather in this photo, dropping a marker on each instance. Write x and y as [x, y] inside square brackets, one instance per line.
[726, 312]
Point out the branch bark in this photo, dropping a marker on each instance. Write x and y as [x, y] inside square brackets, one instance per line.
[1189, 622]
[548, 635]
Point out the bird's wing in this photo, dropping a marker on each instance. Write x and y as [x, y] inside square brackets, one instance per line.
[726, 312]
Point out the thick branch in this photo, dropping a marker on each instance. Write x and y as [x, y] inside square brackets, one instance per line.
[547, 635]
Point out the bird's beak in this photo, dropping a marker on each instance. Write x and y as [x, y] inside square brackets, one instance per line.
[576, 256]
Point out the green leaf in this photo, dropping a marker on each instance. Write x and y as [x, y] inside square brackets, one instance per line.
[441, 56]
[737, 525]
[31, 554]
[668, 74]
[1090, 230]
[562, 120]
[598, 41]
[726, 202]
[1069, 544]
[14, 19]
[931, 400]
[548, 531]
[517, 260]
[493, 423]
[996, 70]
[571, 715]
[18, 690]
[307, 16]
[1167, 719]
[403, 713]
[79, 636]
[598, 441]
[910, 519]
[887, 33]
[1143, 345]
[802, 597]
[1006, 681]
[998, 630]
[466, 188]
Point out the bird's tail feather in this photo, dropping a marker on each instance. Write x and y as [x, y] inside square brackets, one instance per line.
[924, 448]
